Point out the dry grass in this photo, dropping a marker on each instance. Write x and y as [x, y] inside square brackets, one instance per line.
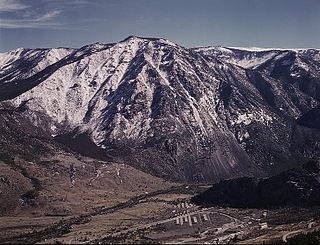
[97, 184]
[103, 225]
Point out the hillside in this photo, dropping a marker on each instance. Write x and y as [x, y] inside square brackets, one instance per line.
[294, 187]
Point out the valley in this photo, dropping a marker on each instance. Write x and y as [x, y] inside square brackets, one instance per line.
[84, 200]
[164, 216]
[146, 141]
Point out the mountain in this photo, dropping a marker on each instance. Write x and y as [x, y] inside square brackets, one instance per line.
[295, 68]
[179, 113]
[294, 187]
[40, 177]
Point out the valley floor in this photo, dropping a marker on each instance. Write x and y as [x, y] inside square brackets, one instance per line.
[66, 198]
[163, 216]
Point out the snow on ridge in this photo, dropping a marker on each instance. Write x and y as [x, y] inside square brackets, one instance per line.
[10, 56]
[250, 49]
[147, 39]
[66, 94]
[54, 54]
[258, 49]
[252, 57]
[88, 82]
[166, 41]
[247, 60]
[211, 48]
[41, 57]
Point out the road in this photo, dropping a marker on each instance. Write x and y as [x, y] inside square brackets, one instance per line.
[285, 236]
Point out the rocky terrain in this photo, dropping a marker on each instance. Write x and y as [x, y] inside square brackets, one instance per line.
[195, 115]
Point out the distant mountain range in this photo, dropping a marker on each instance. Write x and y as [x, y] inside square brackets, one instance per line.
[184, 114]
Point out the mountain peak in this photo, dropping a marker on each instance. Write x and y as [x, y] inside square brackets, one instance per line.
[150, 39]
[133, 37]
[166, 110]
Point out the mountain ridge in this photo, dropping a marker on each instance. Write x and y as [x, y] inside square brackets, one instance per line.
[294, 187]
[169, 110]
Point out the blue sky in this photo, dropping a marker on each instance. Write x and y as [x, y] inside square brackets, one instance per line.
[74, 23]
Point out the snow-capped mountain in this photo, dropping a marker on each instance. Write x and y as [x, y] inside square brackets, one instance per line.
[179, 113]
[299, 67]
[251, 57]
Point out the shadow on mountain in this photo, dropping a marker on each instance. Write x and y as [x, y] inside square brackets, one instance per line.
[294, 187]
[83, 144]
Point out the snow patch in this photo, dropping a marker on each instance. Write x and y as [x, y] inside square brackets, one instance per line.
[248, 118]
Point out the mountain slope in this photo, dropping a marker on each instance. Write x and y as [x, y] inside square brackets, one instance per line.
[311, 119]
[297, 67]
[167, 110]
[40, 177]
[298, 187]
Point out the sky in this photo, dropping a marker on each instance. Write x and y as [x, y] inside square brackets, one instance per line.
[189, 23]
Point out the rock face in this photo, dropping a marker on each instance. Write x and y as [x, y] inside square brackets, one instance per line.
[294, 187]
[182, 114]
